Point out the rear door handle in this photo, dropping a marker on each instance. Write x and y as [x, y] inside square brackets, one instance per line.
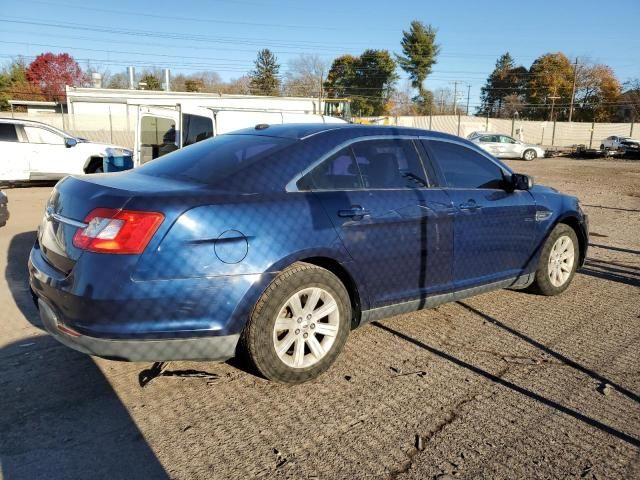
[356, 211]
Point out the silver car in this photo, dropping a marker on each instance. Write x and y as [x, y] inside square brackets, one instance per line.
[504, 146]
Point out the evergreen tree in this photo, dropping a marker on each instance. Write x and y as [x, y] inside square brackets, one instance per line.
[420, 51]
[506, 80]
[264, 78]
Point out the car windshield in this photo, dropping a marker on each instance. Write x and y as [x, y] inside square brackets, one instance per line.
[212, 160]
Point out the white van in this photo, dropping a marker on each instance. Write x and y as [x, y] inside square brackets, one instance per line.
[161, 130]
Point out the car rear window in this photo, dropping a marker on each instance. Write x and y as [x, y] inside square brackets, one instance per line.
[212, 160]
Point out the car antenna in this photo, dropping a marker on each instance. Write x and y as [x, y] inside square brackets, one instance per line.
[262, 126]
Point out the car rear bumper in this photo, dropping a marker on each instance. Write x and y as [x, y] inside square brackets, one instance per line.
[153, 350]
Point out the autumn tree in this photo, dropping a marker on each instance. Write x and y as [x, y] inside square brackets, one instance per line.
[506, 81]
[550, 75]
[368, 80]
[304, 76]
[597, 91]
[420, 51]
[264, 77]
[51, 72]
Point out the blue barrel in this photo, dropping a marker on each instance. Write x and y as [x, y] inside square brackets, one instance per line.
[117, 163]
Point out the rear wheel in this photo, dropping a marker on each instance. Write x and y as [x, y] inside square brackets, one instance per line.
[299, 326]
[558, 261]
[529, 155]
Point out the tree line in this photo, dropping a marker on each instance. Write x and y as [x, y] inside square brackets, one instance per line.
[552, 88]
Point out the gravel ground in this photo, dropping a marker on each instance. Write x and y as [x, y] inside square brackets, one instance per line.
[504, 385]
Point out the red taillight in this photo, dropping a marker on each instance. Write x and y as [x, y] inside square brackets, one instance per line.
[117, 231]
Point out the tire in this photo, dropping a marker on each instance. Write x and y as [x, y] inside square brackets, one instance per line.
[602, 146]
[300, 358]
[555, 273]
[529, 155]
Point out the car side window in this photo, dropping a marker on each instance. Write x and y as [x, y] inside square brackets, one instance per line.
[505, 139]
[42, 135]
[463, 167]
[8, 132]
[389, 164]
[338, 172]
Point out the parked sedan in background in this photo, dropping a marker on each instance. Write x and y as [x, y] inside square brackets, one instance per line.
[276, 241]
[615, 142]
[4, 209]
[504, 146]
[36, 151]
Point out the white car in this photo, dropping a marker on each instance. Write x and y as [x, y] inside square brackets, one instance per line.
[504, 146]
[36, 151]
[615, 142]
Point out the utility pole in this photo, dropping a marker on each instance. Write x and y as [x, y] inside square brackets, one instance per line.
[455, 96]
[573, 91]
[468, 97]
[553, 103]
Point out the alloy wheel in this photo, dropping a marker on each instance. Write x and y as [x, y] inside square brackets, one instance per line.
[306, 327]
[561, 260]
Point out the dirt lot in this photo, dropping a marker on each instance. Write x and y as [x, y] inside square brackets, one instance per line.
[504, 385]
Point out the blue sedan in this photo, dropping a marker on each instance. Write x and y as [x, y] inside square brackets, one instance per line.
[274, 242]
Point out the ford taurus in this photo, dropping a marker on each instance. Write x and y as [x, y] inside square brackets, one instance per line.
[274, 242]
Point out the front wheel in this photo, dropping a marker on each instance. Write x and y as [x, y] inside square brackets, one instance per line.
[558, 261]
[299, 326]
[529, 155]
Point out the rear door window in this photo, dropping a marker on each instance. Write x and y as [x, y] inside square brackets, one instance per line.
[463, 167]
[389, 164]
[8, 132]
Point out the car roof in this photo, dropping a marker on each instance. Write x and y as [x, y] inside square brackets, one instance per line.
[24, 121]
[301, 131]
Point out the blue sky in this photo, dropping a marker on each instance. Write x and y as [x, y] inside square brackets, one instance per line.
[224, 35]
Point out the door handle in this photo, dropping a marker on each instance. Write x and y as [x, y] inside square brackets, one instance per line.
[353, 212]
[469, 205]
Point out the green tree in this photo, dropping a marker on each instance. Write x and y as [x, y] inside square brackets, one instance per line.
[368, 80]
[151, 82]
[420, 52]
[264, 78]
[14, 84]
[550, 75]
[506, 81]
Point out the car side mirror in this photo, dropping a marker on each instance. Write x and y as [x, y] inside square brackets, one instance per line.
[520, 181]
[70, 142]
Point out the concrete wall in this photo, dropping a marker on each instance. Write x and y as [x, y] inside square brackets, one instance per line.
[536, 132]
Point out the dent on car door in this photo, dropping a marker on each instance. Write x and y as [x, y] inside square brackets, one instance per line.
[494, 227]
[396, 229]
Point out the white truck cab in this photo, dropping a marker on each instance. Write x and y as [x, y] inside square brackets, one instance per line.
[163, 129]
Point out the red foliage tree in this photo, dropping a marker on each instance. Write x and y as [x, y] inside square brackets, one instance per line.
[50, 72]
